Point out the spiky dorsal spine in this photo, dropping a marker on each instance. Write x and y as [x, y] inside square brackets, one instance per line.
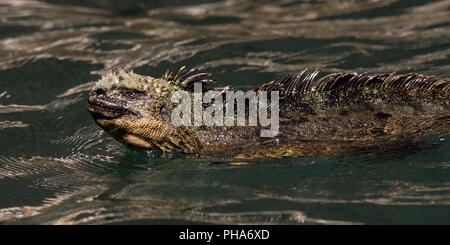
[291, 87]
[343, 81]
[186, 78]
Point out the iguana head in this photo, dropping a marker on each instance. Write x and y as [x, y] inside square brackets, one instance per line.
[136, 109]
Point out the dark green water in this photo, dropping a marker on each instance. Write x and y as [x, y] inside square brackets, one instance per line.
[58, 167]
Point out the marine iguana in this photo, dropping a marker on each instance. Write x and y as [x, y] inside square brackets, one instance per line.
[339, 113]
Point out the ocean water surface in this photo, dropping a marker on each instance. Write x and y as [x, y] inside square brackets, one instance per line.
[58, 167]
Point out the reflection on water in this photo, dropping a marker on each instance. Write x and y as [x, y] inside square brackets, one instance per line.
[58, 167]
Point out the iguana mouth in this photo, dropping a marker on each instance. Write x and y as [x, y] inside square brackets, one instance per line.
[107, 108]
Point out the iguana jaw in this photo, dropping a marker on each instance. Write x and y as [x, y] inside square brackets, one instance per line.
[107, 108]
[108, 113]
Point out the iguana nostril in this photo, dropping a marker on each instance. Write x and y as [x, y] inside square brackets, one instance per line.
[100, 91]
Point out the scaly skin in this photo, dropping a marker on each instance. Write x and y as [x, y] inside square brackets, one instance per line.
[338, 114]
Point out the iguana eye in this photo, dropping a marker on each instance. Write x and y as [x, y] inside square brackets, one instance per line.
[131, 93]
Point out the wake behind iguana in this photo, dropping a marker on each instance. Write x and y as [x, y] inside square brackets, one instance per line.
[337, 114]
